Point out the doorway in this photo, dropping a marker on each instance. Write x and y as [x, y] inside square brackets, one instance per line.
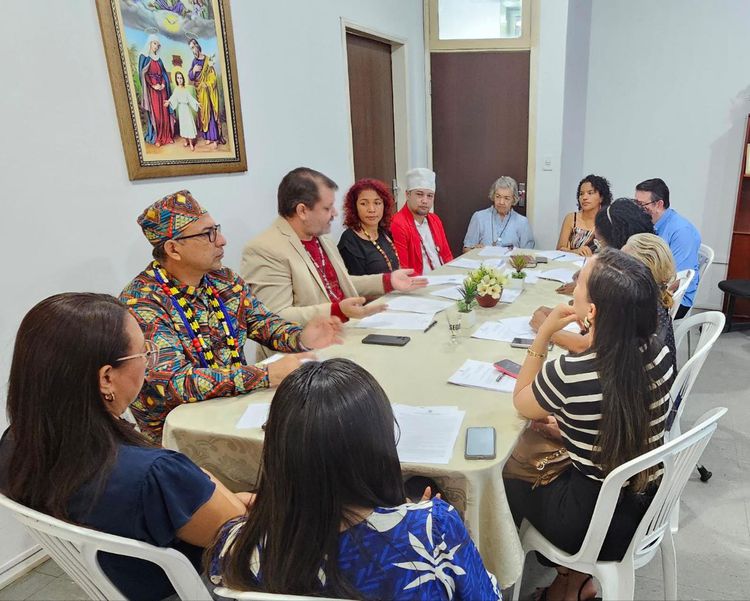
[480, 130]
[376, 69]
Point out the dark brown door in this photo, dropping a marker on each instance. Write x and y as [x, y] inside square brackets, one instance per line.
[371, 102]
[480, 130]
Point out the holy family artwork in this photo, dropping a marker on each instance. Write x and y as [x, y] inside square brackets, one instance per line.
[172, 69]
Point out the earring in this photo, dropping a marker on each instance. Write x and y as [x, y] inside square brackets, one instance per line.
[109, 397]
[586, 322]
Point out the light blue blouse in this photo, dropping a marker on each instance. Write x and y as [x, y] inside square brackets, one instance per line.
[489, 229]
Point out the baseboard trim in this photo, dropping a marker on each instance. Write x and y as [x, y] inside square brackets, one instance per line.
[22, 564]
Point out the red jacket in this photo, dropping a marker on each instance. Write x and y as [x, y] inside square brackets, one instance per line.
[408, 243]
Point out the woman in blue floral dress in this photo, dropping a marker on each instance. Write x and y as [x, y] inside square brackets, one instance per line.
[330, 516]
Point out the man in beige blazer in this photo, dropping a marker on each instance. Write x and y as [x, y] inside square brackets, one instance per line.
[297, 272]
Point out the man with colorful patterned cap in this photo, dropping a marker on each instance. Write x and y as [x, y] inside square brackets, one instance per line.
[200, 314]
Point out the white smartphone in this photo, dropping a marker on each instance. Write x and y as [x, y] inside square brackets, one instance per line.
[480, 443]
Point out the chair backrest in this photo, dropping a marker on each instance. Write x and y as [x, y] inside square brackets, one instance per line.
[74, 549]
[678, 457]
[258, 596]
[711, 324]
[684, 277]
[705, 258]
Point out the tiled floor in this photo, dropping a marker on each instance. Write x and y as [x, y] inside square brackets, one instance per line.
[713, 544]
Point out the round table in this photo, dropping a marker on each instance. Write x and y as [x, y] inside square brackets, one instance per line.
[415, 374]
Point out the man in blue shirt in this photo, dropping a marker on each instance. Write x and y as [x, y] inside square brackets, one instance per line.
[683, 238]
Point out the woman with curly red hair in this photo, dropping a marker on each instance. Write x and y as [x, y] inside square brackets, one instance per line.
[366, 244]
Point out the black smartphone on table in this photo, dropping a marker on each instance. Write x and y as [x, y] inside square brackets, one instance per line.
[480, 443]
[385, 340]
[508, 367]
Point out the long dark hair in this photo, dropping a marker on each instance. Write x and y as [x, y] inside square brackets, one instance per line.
[620, 220]
[626, 296]
[330, 445]
[62, 435]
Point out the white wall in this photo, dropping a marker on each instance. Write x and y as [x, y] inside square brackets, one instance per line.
[668, 96]
[68, 207]
[559, 75]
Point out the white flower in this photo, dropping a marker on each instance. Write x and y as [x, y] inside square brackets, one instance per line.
[436, 565]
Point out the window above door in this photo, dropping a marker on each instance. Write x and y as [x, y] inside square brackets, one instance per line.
[479, 24]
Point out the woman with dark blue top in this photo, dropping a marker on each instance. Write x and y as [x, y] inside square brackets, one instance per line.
[79, 361]
[330, 517]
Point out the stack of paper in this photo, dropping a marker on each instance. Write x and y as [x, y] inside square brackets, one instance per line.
[480, 374]
[465, 263]
[435, 280]
[505, 330]
[427, 434]
[494, 251]
[417, 304]
[552, 255]
[558, 275]
[254, 417]
[388, 320]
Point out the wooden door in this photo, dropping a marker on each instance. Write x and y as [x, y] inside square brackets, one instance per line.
[480, 130]
[371, 105]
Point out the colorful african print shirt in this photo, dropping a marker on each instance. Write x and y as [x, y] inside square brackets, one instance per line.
[179, 376]
[416, 551]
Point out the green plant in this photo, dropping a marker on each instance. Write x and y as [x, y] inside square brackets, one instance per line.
[518, 262]
[468, 294]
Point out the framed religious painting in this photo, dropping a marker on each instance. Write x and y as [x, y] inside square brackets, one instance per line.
[174, 81]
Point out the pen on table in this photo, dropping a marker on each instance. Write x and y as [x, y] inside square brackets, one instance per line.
[429, 326]
[500, 377]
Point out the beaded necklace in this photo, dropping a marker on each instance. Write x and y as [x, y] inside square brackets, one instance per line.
[380, 250]
[200, 346]
[321, 267]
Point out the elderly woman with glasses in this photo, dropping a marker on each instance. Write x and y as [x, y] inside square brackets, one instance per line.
[499, 224]
[68, 452]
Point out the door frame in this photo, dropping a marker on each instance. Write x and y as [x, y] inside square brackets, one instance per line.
[400, 83]
[532, 41]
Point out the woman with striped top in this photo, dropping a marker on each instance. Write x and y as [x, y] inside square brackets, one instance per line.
[607, 405]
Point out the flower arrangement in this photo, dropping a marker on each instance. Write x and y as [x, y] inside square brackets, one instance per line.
[486, 283]
[490, 281]
[518, 262]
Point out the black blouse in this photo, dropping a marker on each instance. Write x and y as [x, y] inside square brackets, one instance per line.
[362, 257]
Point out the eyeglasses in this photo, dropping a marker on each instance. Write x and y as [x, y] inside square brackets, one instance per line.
[645, 204]
[151, 355]
[212, 234]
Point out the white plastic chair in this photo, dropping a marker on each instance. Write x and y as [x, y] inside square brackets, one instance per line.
[711, 324]
[74, 549]
[258, 596]
[617, 578]
[705, 258]
[684, 277]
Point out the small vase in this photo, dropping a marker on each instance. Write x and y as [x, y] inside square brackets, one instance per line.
[516, 283]
[468, 321]
[486, 300]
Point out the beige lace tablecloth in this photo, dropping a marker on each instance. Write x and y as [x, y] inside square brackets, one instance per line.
[415, 374]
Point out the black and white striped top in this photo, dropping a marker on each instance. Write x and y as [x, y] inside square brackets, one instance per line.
[569, 388]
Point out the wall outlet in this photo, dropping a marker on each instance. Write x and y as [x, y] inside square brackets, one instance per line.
[547, 164]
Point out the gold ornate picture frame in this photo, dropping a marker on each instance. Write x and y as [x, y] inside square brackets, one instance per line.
[172, 68]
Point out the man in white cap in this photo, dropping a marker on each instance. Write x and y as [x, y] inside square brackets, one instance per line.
[418, 234]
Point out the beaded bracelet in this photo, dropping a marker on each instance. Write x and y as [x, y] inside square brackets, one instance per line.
[531, 353]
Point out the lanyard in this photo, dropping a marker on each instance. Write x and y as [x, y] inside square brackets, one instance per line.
[507, 223]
